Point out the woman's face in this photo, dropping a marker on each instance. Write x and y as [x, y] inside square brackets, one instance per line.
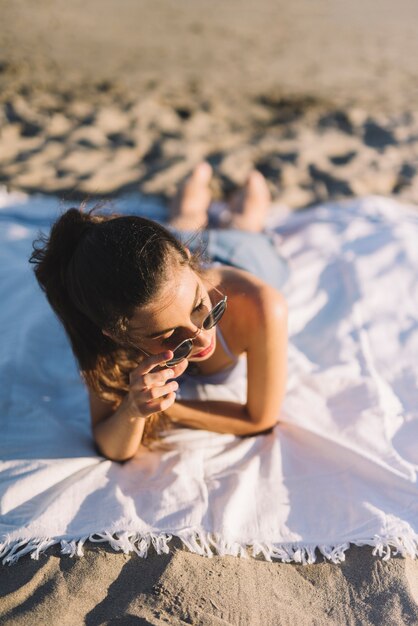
[176, 314]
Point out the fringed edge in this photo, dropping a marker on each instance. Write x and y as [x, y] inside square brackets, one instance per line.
[208, 544]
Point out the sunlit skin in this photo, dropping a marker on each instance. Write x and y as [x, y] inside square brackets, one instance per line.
[254, 324]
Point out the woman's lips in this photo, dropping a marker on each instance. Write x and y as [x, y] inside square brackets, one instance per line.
[206, 350]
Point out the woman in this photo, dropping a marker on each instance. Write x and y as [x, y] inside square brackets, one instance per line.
[140, 309]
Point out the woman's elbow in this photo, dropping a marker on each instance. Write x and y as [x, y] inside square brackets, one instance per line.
[262, 428]
[109, 456]
[261, 423]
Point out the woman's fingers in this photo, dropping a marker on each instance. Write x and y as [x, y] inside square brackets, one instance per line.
[162, 404]
[159, 377]
[156, 399]
[156, 392]
[149, 401]
[154, 360]
[180, 368]
[149, 363]
[150, 390]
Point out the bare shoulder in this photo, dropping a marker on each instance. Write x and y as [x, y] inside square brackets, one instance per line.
[251, 303]
[246, 290]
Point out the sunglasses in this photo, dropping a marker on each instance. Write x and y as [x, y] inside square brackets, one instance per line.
[184, 348]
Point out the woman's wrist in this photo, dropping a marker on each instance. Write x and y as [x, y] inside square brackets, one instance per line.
[131, 412]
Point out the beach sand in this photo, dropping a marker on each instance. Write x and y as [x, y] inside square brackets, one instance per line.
[320, 97]
[184, 588]
[100, 98]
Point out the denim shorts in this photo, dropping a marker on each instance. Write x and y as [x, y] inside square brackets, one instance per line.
[254, 252]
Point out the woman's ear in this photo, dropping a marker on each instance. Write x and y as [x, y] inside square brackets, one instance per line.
[104, 332]
[189, 254]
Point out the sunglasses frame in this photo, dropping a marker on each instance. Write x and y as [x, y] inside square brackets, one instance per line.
[174, 360]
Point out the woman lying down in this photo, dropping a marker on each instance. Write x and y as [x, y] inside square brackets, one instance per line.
[152, 326]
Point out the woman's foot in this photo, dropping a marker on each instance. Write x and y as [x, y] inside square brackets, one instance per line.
[250, 205]
[189, 209]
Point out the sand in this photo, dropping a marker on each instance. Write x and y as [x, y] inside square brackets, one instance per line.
[183, 588]
[103, 97]
[320, 98]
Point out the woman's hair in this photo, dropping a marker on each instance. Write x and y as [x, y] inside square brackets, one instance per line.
[95, 269]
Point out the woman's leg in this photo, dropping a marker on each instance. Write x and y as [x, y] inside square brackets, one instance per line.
[249, 206]
[245, 245]
[254, 252]
[189, 209]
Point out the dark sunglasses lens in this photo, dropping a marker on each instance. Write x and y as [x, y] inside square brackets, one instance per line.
[215, 315]
[181, 352]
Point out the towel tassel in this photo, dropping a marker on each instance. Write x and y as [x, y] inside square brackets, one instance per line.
[207, 544]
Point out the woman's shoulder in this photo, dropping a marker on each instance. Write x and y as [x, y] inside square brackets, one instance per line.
[234, 281]
[250, 301]
[243, 288]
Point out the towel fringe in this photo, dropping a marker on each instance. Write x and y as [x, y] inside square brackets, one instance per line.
[405, 545]
[209, 544]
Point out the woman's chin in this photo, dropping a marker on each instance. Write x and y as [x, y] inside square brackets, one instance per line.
[204, 354]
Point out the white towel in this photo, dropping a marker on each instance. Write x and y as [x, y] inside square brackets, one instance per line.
[339, 468]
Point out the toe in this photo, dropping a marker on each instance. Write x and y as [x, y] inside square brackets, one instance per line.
[257, 185]
[200, 177]
[255, 189]
[203, 172]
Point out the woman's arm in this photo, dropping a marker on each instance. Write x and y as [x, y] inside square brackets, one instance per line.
[118, 430]
[267, 357]
[265, 327]
[216, 416]
[117, 433]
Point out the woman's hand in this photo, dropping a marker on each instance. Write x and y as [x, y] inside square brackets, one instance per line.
[149, 391]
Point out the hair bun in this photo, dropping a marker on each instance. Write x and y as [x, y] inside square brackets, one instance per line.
[52, 254]
[68, 231]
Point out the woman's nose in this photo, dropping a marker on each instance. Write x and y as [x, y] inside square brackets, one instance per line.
[197, 333]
